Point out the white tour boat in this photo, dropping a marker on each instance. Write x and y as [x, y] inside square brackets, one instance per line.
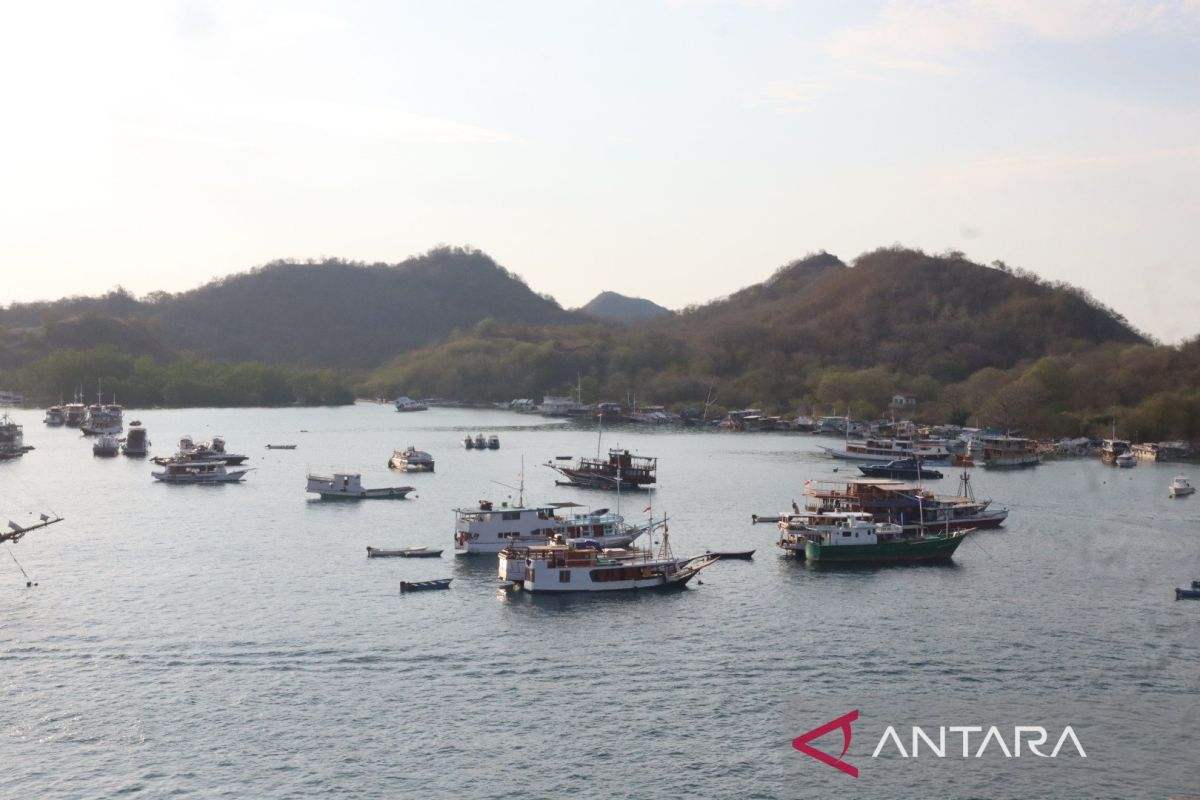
[410, 459]
[486, 528]
[928, 451]
[105, 445]
[1125, 460]
[348, 486]
[408, 404]
[1180, 487]
[198, 472]
[55, 416]
[585, 566]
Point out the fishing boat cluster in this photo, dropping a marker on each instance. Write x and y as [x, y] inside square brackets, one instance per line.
[886, 516]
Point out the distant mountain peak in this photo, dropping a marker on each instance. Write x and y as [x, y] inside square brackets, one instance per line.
[615, 307]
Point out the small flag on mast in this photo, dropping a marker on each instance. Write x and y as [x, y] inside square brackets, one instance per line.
[647, 509]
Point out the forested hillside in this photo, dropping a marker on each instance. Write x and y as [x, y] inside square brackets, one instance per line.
[327, 314]
[972, 342]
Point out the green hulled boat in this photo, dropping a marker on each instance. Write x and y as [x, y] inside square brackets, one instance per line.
[860, 542]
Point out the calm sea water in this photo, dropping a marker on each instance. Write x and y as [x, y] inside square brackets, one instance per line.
[234, 641]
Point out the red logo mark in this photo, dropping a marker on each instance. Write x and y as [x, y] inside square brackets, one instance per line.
[801, 743]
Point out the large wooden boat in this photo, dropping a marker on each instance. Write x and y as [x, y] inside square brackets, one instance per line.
[198, 472]
[587, 567]
[928, 451]
[348, 486]
[190, 452]
[1009, 452]
[488, 528]
[12, 439]
[619, 471]
[905, 504]
[881, 543]
[135, 443]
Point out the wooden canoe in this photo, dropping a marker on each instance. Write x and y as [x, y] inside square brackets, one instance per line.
[404, 552]
[420, 586]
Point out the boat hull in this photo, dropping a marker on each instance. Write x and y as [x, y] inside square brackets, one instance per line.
[848, 455]
[933, 549]
[396, 493]
[1012, 463]
[233, 477]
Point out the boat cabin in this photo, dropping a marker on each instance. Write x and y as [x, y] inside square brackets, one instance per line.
[347, 482]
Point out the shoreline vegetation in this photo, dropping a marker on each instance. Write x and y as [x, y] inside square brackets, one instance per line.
[987, 345]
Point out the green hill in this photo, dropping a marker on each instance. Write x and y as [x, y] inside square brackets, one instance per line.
[322, 314]
[614, 307]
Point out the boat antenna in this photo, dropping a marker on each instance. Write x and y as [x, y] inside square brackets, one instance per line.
[519, 488]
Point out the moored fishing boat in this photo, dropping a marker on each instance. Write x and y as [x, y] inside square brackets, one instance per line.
[1125, 460]
[734, 555]
[905, 504]
[619, 471]
[198, 472]
[348, 486]
[860, 542]
[1180, 487]
[928, 451]
[135, 443]
[796, 528]
[12, 439]
[213, 450]
[487, 528]
[102, 419]
[74, 414]
[1009, 452]
[408, 404]
[493, 442]
[410, 459]
[1111, 449]
[585, 566]
[105, 445]
[55, 416]
[903, 468]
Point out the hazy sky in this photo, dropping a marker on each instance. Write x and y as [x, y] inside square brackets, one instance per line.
[673, 149]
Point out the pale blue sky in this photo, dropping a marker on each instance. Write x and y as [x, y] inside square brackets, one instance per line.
[673, 149]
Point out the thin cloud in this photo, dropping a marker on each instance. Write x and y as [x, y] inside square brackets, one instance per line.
[925, 36]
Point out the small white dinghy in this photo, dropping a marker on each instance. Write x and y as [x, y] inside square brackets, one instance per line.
[348, 486]
[1180, 487]
[403, 552]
